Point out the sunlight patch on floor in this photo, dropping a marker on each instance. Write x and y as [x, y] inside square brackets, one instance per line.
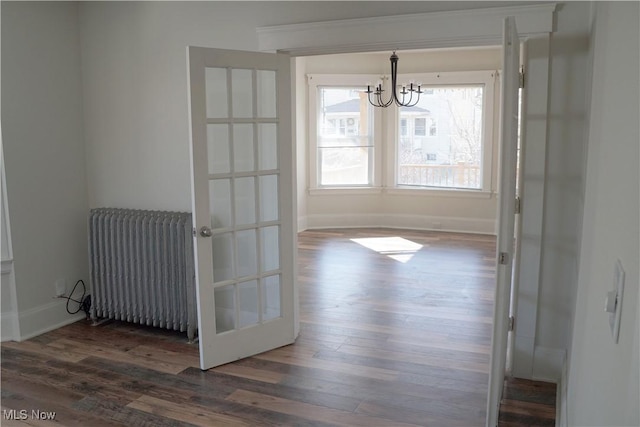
[396, 248]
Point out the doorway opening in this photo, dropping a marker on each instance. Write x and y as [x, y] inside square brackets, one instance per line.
[404, 225]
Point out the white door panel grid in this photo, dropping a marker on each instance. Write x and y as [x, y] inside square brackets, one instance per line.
[242, 193]
[506, 215]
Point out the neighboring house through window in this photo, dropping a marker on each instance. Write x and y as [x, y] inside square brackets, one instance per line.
[443, 142]
[342, 137]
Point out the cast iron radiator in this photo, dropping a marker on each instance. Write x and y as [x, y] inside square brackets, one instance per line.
[142, 268]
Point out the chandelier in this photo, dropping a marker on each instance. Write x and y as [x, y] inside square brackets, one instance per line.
[406, 98]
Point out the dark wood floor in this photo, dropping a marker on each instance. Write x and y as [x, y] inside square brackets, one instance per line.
[393, 332]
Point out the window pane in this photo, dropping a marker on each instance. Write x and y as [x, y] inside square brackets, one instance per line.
[344, 166]
[222, 257]
[220, 203]
[269, 198]
[225, 307]
[270, 248]
[218, 148]
[248, 296]
[242, 93]
[245, 200]
[247, 253]
[267, 146]
[266, 81]
[443, 145]
[345, 136]
[420, 126]
[270, 297]
[216, 87]
[243, 160]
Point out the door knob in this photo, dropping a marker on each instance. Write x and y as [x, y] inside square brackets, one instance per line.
[205, 231]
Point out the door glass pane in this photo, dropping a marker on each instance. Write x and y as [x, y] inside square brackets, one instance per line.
[216, 89]
[271, 297]
[248, 293]
[268, 146]
[269, 237]
[220, 203]
[222, 257]
[225, 307]
[243, 148]
[218, 148]
[269, 197]
[245, 199]
[242, 93]
[266, 81]
[247, 253]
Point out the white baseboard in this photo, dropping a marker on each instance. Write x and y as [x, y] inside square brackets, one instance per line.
[45, 318]
[561, 397]
[9, 318]
[303, 223]
[522, 358]
[8, 322]
[548, 364]
[415, 222]
[7, 266]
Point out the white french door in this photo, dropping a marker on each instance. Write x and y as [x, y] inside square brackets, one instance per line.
[506, 215]
[242, 192]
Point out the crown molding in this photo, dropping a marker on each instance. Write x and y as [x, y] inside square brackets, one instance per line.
[471, 27]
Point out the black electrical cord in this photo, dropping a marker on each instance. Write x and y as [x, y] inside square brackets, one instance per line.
[83, 303]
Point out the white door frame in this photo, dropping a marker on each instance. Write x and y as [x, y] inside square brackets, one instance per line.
[465, 28]
[506, 217]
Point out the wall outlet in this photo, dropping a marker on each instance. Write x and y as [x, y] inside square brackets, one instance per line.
[61, 287]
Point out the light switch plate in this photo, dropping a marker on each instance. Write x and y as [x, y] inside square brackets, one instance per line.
[618, 287]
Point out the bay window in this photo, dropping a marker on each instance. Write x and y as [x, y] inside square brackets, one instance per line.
[444, 142]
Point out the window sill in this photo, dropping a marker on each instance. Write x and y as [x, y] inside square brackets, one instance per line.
[402, 191]
[439, 192]
[343, 191]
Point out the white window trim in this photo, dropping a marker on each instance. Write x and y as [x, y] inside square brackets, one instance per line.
[488, 79]
[337, 80]
[439, 192]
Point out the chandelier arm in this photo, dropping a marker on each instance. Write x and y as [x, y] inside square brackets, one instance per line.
[407, 103]
[370, 101]
[389, 102]
[414, 102]
[382, 102]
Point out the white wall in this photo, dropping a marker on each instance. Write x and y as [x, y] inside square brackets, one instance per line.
[552, 200]
[136, 123]
[44, 156]
[135, 83]
[422, 210]
[603, 376]
[563, 205]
